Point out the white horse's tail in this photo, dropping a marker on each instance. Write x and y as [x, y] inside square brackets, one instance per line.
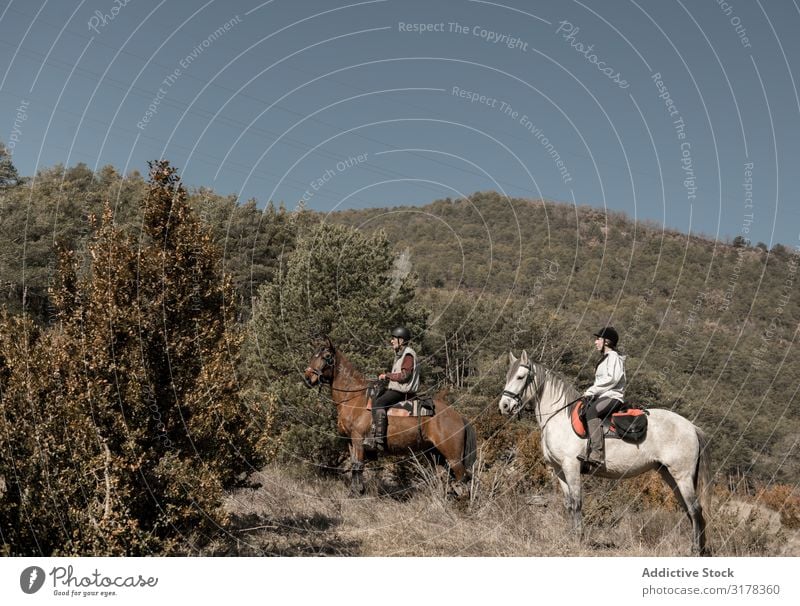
[702, 474]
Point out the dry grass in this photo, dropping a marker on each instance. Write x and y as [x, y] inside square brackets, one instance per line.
[407, 512]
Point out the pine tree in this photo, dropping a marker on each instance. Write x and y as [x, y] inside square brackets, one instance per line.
[9, 176]
[340, 283]
[136, 424]
[254, 240]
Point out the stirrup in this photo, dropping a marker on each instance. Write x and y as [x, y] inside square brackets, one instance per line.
[588, 459]
[369, 439]
[589, 467]
[372, 445]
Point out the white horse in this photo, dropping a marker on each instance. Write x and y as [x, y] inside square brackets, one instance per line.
[673, 445]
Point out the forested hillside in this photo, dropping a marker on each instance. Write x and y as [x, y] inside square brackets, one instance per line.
[708, 326]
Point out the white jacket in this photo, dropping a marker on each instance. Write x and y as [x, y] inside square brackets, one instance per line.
[609, 377]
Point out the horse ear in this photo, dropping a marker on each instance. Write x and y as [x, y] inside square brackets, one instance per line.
[511, 358]
[329, 344]
[316, 339]
[524, 357]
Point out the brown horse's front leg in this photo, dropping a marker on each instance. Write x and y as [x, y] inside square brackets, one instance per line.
[357, 486]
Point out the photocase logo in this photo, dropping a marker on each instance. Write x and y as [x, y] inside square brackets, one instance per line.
[31, 579]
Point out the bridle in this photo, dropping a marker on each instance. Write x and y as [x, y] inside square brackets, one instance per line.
[329, 359]
[517, 397]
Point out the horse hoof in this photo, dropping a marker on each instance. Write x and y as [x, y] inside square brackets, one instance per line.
[458, 491]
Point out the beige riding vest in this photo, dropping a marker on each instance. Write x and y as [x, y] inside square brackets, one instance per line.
[412, 384]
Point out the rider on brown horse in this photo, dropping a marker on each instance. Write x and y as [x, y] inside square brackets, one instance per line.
[604, 397]
[403, 385]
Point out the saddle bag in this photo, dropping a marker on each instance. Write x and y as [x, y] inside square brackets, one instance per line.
[631, 424]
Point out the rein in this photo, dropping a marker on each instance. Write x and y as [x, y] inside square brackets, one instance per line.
[323, 380]
[347, 390]
[567, 405]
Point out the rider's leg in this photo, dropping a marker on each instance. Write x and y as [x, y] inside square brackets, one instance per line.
[379, 415]
[596, 411]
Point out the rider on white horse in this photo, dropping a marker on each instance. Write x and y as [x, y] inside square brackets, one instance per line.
[605, 396]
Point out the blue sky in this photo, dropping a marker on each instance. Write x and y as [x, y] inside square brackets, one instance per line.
[389, 102]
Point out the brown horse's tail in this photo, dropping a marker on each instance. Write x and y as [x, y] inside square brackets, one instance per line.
[470, 447]
[702, 474]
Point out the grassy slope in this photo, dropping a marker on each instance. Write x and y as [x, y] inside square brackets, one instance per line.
[297, 514]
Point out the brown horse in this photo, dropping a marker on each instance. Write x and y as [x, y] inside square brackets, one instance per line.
[446, 431]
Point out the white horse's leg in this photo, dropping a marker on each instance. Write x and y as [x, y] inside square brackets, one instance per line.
[570, 482]
[683, 487]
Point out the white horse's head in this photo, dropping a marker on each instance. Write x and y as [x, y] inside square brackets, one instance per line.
[517, 381]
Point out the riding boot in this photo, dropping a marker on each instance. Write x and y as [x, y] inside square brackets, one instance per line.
[380, 420]
[596, 456]
[369, 439]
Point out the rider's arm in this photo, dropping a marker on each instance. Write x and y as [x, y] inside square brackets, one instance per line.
[405, 371]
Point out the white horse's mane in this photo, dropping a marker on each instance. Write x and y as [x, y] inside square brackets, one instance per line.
[560, 386]
[561, 383]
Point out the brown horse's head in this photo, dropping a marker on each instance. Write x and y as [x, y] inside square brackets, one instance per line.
[320, 367]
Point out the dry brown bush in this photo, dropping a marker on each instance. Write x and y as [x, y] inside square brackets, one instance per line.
[785, 500]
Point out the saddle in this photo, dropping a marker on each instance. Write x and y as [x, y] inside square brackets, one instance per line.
[628, 424]
[415, 407]
[418, 407]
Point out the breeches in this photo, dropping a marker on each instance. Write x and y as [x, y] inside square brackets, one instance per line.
[388, 398]
[600, 408]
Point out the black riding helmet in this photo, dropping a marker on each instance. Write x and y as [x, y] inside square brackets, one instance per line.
[401, 332]
[608, 333]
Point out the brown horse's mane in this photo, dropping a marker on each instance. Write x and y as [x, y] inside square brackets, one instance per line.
[349, 385]
[346, 367]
